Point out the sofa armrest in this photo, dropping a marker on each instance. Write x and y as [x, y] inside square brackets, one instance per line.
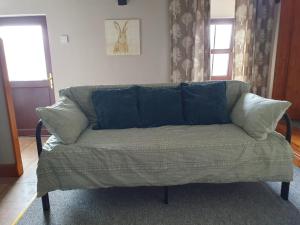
[288, 123]
[38, 137]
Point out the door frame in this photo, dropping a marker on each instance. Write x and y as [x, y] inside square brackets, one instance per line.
[34, 20]
[16, 169]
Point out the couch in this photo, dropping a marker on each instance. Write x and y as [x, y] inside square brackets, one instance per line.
[160, 156]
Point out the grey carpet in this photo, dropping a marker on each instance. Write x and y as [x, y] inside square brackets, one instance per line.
[211, 204]
[294, 196]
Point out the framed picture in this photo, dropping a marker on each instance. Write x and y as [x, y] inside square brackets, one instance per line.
[122, 37]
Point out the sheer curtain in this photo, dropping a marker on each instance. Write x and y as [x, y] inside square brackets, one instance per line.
[189, 36]
[253, 42]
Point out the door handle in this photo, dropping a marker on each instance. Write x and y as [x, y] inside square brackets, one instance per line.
[50, 79]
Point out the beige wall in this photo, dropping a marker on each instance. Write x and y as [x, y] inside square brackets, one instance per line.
[84, 61]
[222, 8]
[6, 149]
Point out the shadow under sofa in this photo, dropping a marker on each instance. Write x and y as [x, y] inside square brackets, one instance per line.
[161, 156]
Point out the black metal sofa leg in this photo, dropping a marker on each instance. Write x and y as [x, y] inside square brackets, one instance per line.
[38, 132]
[166, 195]
[285, 187]
[45, 202]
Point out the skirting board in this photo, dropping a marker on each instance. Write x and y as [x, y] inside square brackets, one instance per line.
[8, 170]
[30, 132]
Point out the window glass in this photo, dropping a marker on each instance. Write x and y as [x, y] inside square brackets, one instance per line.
[23, 46]
[212, 36]
[221, 32]
[223, 36]
[219, 64]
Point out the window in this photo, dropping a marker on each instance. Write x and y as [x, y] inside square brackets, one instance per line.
[24, 46]
[221, 48]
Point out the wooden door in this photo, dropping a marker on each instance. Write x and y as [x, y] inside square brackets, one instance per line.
[26, 47]
[9, 170]
[293, 81]
[287, 69]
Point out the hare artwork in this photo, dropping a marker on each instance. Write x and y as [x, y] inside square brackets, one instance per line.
[121, 45]
[122, 37]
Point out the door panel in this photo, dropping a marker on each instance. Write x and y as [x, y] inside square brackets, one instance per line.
[27, 96]
[293, 79]
[287, 69]
[27, 51]
[286, 84]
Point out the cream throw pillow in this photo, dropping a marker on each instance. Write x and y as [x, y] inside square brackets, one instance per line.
[64, 120]
[258, 116]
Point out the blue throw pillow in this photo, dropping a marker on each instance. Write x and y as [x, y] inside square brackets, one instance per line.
[116, 108]
[159, 106]
[205, 103]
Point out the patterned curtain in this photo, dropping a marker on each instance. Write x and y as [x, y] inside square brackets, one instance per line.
[189, 34]
[253, 42]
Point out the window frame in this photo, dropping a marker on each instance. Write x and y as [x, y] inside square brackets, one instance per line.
[217, 21]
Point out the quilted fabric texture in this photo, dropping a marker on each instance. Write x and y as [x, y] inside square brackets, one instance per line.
[258, 116]
[64, 120]
[161, 156]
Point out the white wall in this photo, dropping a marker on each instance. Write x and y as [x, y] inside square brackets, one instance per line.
[222, 8]
[84, 61]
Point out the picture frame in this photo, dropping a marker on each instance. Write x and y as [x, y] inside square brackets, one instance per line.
[122, 37]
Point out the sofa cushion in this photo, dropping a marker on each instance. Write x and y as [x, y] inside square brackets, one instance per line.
[258, 116]
[116, 108]
[205, 103]
[162, 156]
[64, 120]
[82, 95]
[160, 106]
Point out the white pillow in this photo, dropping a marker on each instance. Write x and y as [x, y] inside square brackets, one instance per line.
[258, 116]
[64, 120]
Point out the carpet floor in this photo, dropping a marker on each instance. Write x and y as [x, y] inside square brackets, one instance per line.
[203, 204]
